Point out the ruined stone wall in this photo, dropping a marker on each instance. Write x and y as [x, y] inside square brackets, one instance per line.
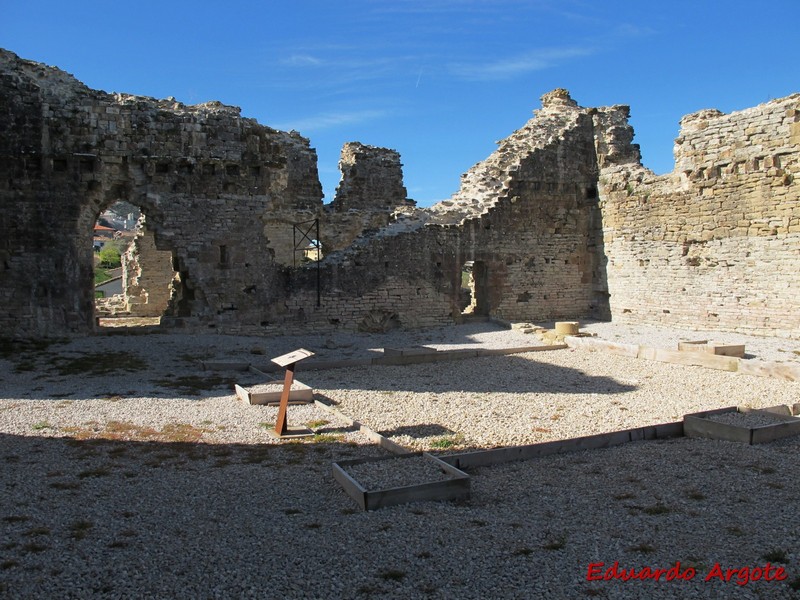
[202, 174]
[371, 178]
[148, 279]
[716, 243]
[369, 194]
[561, 221]
[525, 216]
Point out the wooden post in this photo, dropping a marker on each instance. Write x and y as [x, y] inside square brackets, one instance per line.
[280, 424]
[289, 361]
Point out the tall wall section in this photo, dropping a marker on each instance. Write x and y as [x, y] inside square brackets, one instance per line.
[203, 175]
[527, 215]
[716, 243]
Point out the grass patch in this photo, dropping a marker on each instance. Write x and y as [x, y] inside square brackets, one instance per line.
[317, 423]
[100, 363]
[98, 472]
[656, 509]
[643, 548]
[777, 555]
[556, 544]
[80, 529]
[523, 551]
[735, 530]
[446, 442]
[392, 575]
[16, 518]
[41, 425]
[34, 547]
[11, 348]
[624, 496]
[195, 385]
[125, 431]
[37, 531]
[327, 438]
[65, 485]
[695, 495]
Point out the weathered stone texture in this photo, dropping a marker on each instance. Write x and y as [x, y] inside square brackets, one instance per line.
[371, 177]
[716, 243]
[203, 175]
[149, 282]
[560, 222]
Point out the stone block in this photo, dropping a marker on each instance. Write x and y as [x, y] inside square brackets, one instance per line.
[567, 327]
[270, 393]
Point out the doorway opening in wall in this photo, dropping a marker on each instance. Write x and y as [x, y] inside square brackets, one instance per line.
[474, 293]
[135, 283]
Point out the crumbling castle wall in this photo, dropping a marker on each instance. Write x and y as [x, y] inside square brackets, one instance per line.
[561, 221]
[148, 278]
[716, 243]
[525, 217]
[371, 190]
[203, 175]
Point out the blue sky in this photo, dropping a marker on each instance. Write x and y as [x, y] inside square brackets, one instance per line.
[438, 80]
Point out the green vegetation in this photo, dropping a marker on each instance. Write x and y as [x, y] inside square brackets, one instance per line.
[79, 529]
[776, 556]
[100, 363]
[446, 442]
[109, 255]
[100, 276]
[393, 575]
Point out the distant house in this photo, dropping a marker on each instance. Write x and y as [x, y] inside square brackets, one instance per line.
[104, 232]
[313, 252]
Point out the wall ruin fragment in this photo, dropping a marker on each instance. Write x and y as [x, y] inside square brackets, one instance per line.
[561, 221]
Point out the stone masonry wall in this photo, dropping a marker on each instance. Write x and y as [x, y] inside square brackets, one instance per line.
[370, 192]
[561, 221]
[525, 215]
[716, 243]
[148, 278]
[203, 175]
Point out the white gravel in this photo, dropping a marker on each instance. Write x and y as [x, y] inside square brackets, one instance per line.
[396, 472]
[188, 497]
[745, 419]
[761, 348]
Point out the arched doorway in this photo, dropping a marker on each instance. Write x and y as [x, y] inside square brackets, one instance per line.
[135, 281]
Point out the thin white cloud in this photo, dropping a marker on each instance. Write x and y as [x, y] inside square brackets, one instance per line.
[329, 120]
[511, 67]
[302, 60]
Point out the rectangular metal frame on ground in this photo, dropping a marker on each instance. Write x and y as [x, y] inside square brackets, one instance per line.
[455, 488]
[699, 425]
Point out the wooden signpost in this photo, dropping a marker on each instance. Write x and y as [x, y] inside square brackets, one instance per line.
[282, 429]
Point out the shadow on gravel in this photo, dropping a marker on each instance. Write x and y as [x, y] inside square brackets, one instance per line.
[118, 518]
[43, 372]
[503, 374]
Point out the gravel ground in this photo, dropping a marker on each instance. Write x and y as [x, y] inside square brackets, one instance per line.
[745, 419]
[158, 483]
[761, 348]
[396, 472]
[533, 397]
